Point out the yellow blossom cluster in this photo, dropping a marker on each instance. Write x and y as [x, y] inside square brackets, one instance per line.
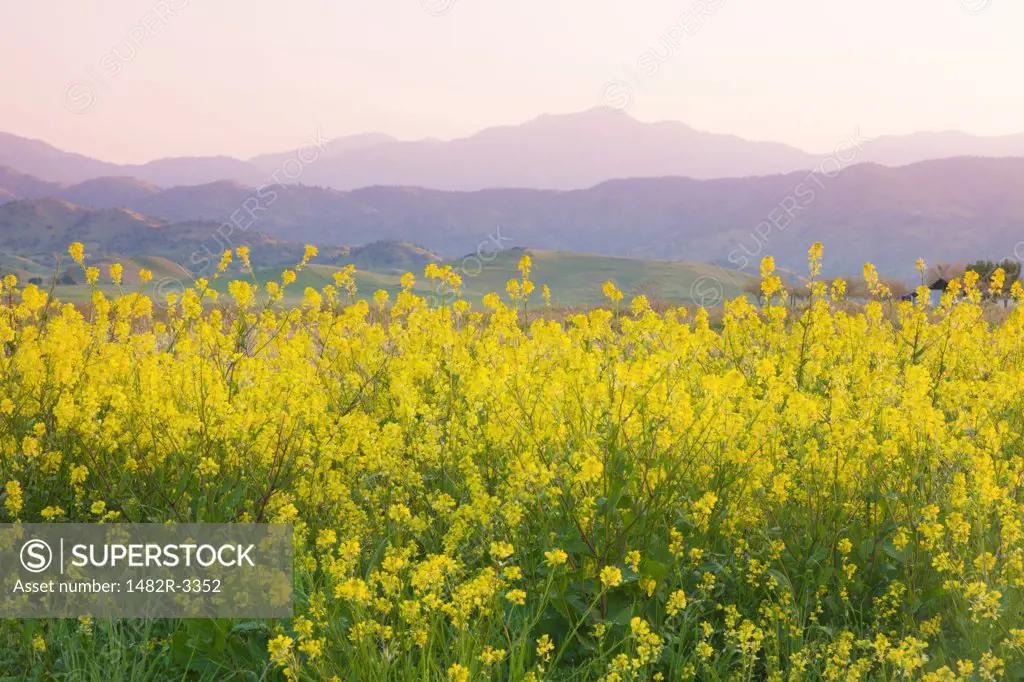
[813, 491]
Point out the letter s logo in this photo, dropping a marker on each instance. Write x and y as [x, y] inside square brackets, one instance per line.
[36, 556]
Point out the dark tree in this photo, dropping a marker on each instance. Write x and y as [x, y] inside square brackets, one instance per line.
[985, 268]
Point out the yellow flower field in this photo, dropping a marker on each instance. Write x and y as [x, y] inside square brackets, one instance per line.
[824, 491]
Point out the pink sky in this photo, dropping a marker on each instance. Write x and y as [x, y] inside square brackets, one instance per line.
[242, 77]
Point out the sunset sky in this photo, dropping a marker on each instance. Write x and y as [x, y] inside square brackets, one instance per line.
[242, 77]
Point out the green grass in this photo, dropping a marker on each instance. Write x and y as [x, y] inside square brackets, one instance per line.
[575, 279]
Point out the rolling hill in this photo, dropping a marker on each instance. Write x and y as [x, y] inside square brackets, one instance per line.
[17, 185]
[951, 209]
[35, 235]
[108, 192]
[575, 279]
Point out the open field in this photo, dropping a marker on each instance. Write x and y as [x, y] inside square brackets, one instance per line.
[806, 494]
[575, 279]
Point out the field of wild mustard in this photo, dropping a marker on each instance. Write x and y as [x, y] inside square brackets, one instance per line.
[806, 493]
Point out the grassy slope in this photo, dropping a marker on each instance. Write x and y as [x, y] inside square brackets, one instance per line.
[163, 269]
[575, 279]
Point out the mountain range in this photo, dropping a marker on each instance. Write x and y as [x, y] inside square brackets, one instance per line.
[563, 152]
[35, 234]
[944, 210]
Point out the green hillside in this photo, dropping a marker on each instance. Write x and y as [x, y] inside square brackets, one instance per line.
[575, 279]
[35, 234]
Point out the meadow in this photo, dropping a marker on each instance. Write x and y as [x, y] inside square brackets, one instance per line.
[574, 279]
[820, 492]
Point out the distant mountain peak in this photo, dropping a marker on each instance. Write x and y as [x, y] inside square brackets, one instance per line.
[558, 151]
